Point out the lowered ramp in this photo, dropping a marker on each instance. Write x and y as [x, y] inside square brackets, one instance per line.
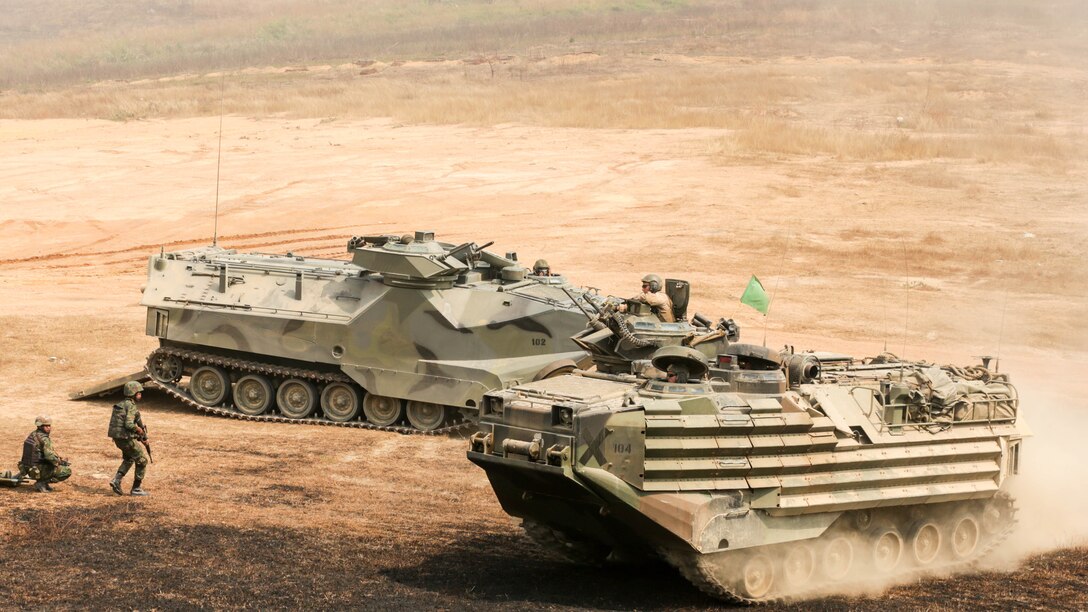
[108, 386]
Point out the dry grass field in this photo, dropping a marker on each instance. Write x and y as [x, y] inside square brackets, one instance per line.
[903, 176]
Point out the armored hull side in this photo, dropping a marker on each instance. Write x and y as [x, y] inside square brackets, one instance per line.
[393, 346]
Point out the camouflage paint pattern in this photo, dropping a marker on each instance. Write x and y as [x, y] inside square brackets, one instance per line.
[404, 319]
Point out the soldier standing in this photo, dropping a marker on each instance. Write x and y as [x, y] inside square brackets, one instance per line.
[127, 430]
[40, 461]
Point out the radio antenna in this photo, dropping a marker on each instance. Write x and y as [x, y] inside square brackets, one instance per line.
[885, 323]
[781, 270]
[218, 164]
[906, 300]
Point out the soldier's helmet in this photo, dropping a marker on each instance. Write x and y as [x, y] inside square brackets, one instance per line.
[654, 281]
[541, 267]
[132, 388]
[42, 420]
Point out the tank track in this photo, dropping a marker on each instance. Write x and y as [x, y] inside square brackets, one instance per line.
[698, 569]
[254, 367]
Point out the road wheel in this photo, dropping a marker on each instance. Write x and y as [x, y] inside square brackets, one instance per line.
[925, 543]
[209, 385]
[165, 368]
[253, 394]
[887, 550]
[798, 566]
[340, 402]
[996, 516]
[756, 576]
[965, 537]
[426, 416]
[837, 557]
[382, 410]
[296, 398]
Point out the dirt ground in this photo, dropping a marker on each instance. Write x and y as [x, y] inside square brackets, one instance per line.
[275, 516]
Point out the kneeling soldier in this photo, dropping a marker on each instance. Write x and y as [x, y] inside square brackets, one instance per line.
[40, 461]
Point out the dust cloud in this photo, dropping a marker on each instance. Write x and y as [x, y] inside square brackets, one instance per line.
[1051, 490]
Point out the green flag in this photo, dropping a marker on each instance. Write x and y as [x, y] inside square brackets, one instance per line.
[755, 296]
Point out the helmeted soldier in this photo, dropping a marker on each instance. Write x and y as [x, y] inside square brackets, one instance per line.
[658, 300]
[677, 373]
[127, 430]
[682, 364]
[40, 461]
[541, 268]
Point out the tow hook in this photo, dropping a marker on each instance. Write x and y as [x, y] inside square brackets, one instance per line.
[482, 442]
[556, 454]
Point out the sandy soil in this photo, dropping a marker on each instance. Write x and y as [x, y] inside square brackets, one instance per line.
[247, 515]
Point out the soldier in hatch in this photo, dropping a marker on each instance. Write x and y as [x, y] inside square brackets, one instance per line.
[658, 300]
[677, 373]
[40, 461]
[127, 430]
[541, 268]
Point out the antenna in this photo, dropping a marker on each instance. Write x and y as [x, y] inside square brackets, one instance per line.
[218, 164]
[885, 323]
[906, 301]
[778, 277]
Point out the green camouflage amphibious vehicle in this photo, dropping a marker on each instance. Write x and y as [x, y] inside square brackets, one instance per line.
[407, 336]
[760, 475]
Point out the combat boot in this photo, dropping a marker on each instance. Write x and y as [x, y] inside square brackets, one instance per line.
[115, 484]
[42, 487]
[137, 491]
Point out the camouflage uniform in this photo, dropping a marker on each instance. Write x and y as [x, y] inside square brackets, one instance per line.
[126, 427]
[41, 462]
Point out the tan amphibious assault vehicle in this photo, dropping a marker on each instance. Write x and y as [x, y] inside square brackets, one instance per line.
[760, 475]
[406, 336]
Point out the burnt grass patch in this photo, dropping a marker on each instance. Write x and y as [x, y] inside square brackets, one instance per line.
[120, 555]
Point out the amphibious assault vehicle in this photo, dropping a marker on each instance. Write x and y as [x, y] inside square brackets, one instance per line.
[406, 336]
[761, 475]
